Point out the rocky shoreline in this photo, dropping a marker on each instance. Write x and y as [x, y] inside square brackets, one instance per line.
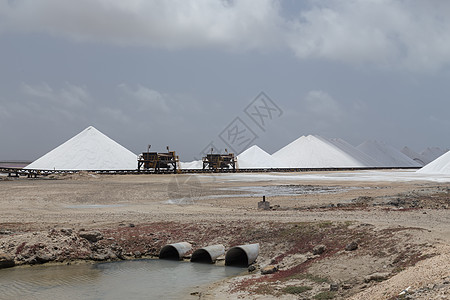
[292, 254]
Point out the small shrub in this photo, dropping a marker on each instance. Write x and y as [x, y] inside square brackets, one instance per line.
[296, 289]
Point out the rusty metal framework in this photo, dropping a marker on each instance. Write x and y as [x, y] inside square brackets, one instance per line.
[219, 162]
[158, 162]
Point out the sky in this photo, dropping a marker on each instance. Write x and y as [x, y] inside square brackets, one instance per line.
[225, 74]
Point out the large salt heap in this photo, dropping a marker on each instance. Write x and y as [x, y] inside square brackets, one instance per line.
[314, 151]
[387, 155]
[254, 158]
[415, 156]
[88, 150]
[440, 165]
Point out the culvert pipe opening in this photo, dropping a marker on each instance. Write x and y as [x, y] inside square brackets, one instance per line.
[242, 256]
[236, 257]
[175, 251]
[201, 256]
[208, 254]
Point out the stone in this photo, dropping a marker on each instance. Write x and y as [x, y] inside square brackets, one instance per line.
[319, 249]
[376, 277]
[351, 246]
[137, 254]
[264, 205]
[42, 258]
[6, 261]
[270, 269]
[91, 236]
[104, 255]
[334, 287]
[251, 268]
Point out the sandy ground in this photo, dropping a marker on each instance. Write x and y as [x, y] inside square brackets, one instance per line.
[410, 222]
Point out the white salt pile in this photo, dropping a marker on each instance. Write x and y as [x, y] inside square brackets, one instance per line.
[196, 164]
[364, 159]
[314, 151]
[440, 165]
[415, 156]
[431, 153]
[387, 155]
[88, 150]
[254, 158]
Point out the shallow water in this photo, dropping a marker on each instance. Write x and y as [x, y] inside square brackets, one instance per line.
[186, 196]
[137, 279]
[291, 190]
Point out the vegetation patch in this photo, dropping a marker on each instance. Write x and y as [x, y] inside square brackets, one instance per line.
[297, 289]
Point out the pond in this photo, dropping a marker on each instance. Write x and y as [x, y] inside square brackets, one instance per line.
[137, 279]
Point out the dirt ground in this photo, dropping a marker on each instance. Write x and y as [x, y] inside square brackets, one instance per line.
[401, 230]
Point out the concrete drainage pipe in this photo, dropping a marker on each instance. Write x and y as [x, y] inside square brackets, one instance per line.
[175, 251]
[242, 256]
[208, 254]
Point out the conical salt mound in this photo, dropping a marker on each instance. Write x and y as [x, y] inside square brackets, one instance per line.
[440, 165]
[255, 158]
[88, 150]
[387, 155]
[318, 152]
[414, 155]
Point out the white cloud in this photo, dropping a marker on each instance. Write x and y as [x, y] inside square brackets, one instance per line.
[405, 34]
[323, 106]
[168, 24]
[410, 35]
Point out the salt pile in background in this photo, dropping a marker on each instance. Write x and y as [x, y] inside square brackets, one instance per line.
[431, 153]
[417, 157]
[196, 164]
[88, 150]
[363, 158]
[314, 151]
[387, 155]
[440, 165]
[254, 158]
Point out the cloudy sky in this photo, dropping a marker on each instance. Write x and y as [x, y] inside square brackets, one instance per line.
[190, 73]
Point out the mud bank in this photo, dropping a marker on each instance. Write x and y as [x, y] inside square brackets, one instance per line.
[340, 258]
